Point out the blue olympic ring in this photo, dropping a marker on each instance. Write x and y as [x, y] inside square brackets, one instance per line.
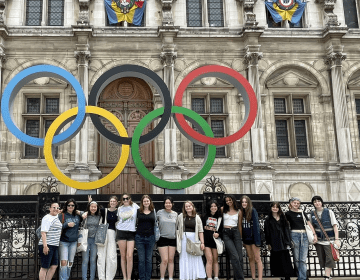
[27, 75]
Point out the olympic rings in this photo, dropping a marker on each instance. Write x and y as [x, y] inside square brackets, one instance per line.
[151, 77]
[22, 79]
[85, 185]
[131, 71]
[210, 151]
[243, 87]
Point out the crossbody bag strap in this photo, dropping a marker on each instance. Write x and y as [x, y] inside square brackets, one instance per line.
[303, 215]
[105, 215]
[219, 222]
[321, 226]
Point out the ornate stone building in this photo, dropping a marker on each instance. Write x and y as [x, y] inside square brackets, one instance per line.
[305, 139]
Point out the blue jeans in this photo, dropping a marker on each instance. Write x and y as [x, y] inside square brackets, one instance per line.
[67, 253]
[90, 252]
[145, 246]
[233, 247]
[300, 252]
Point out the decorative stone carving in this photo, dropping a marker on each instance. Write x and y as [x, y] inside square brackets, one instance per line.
[335, 57]
[330, 18]
[252, 57]
[167, 16]
[250, 16]
[82, 57]
[168, 58]
[84, 12]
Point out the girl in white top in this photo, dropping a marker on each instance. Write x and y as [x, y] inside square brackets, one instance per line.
[125, 236]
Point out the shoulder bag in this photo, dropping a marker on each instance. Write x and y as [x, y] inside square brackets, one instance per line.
[101, 232]
[309, 232]
[83, 238]
[193, 248]
[156, 228]
[220, 246]
[335, 252]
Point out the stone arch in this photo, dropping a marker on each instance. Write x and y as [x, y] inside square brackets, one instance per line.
[194, 65]
[32, 189]
[111, 64]
[324, 86]
[303, 190]
[34, 62]
[348, 74]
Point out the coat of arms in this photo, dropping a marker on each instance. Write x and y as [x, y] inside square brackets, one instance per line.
[125, 5]
[286, 4]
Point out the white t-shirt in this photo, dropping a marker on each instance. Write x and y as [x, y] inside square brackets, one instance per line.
[333, 222]
[127, 217]
[52, 226]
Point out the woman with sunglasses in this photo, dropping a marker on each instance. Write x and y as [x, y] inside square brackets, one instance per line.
[49, 242]
[296, 219]
[167, 242]
[278, 240]
[69, 237]
[107, 257]
[125, 236]
[92, 223]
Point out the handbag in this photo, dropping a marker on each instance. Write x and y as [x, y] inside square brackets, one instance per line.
[83, 238]
[220, 245]
[193, 248]
[101, 232]
[309, 232]
[156, 228]
[335, 252]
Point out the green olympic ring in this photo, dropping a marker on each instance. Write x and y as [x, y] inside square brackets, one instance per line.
[210, 152]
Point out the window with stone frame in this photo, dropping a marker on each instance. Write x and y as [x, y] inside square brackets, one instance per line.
[291, 124]
[215, 13]
[283, 24]
[212, 109]
[357, 102]
[54, 16]
[40, 111]
[351, 13]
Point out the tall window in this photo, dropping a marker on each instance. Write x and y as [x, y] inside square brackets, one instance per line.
[194, 13]
[212, 110]
[357, 101]
[350, 12]
[291, 120]
[55, 12]
[33, 12]
[215, 13]
[40, 112]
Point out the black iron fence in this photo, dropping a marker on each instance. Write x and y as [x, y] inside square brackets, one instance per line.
[20, 216]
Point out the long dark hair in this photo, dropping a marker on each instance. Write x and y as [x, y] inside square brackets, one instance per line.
[208, 211]
[280, 212]
[88, 209]
[235, 204]
[66, 204]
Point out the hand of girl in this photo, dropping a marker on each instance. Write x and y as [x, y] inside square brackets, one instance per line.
[216, 235]
[202, 247]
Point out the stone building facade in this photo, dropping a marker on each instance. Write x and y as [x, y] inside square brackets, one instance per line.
[305, 139]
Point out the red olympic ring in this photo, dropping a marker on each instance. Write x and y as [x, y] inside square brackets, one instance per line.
[228, 72]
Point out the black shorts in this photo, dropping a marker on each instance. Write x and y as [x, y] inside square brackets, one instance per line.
[164, 242]
[52, 258]
[125, 235]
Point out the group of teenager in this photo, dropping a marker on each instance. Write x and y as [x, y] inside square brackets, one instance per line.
[130, 225]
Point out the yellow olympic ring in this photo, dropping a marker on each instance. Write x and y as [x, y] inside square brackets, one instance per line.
[85, 185]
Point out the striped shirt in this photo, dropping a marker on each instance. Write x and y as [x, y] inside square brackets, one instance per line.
[52, 226]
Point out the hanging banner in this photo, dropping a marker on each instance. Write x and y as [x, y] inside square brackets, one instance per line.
[291, 10]
[130, 11]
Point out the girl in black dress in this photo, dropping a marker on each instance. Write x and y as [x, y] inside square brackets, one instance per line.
[213, 226]
[278, 238]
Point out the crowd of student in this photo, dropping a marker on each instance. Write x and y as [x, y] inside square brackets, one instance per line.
[229, 228]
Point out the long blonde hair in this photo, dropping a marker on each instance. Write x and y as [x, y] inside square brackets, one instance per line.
[193, 214]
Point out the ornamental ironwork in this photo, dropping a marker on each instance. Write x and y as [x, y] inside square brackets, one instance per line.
[49, 185]
[213, 184]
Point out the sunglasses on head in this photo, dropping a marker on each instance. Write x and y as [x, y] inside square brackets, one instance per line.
[126, 198]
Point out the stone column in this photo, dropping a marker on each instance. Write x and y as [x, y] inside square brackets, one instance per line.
[334, 58]
[84, 12]
[252, 56]
[330, 18]
[249, 15]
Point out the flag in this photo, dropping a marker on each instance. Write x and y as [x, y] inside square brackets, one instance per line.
[134, 15]
[293, 15]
